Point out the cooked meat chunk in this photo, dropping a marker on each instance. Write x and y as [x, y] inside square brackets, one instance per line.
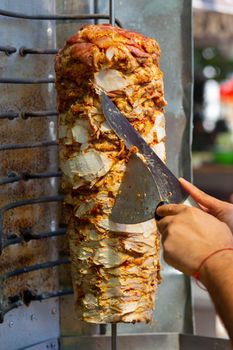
[115, 271]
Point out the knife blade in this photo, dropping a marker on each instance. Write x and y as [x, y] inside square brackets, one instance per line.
[166, 186]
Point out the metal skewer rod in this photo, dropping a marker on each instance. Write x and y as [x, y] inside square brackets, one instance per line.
[96, 10]
[112, 12]
[113, 325]
[114, 336]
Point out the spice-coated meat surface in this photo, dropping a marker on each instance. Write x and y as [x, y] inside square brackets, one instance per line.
[115, 271]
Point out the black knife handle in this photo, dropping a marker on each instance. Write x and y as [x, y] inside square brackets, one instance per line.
[157, 217]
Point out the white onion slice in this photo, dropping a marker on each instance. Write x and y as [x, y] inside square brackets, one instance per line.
[81, 131]
[89, 165]
[110, 80]
[159, 149]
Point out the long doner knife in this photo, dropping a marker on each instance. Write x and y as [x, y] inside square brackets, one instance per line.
[166, 186]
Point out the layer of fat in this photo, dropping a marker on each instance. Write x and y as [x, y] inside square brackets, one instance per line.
[159, 149]
[109, 257]
[144, 227]
[81, 131]
[157, 131]
[106, 251]
[88, 165]
[110, 80]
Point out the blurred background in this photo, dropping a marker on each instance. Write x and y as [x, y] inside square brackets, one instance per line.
[212, 150]
[213, 97]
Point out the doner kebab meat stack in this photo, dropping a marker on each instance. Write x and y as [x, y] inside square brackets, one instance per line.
[115, 271]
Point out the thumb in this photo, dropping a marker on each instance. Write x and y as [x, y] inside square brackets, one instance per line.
[210, 203]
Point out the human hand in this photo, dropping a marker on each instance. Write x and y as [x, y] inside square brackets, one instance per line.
[220, 209]
[189, 235]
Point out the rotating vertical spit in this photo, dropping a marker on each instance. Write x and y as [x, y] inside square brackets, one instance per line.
[113, 325]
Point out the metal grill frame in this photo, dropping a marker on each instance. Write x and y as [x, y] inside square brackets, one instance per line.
[12, 177]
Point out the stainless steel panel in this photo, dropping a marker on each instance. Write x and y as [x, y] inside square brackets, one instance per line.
[124, 342]
[48, 345]
[169, 341]
[191, 342]
[30, 325]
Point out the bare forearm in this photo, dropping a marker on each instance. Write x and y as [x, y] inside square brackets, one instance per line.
[190, 236]
[217, 276]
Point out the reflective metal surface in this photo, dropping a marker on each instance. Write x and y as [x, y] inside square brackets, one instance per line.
[169, 341]
[25, 326]
[52, 344]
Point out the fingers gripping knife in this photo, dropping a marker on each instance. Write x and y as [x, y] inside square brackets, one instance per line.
[153, 183]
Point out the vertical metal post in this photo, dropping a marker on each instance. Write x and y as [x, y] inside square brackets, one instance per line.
[114, 336]
[113, 325]
[96, 21]
[112, 12]
[103, 329]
